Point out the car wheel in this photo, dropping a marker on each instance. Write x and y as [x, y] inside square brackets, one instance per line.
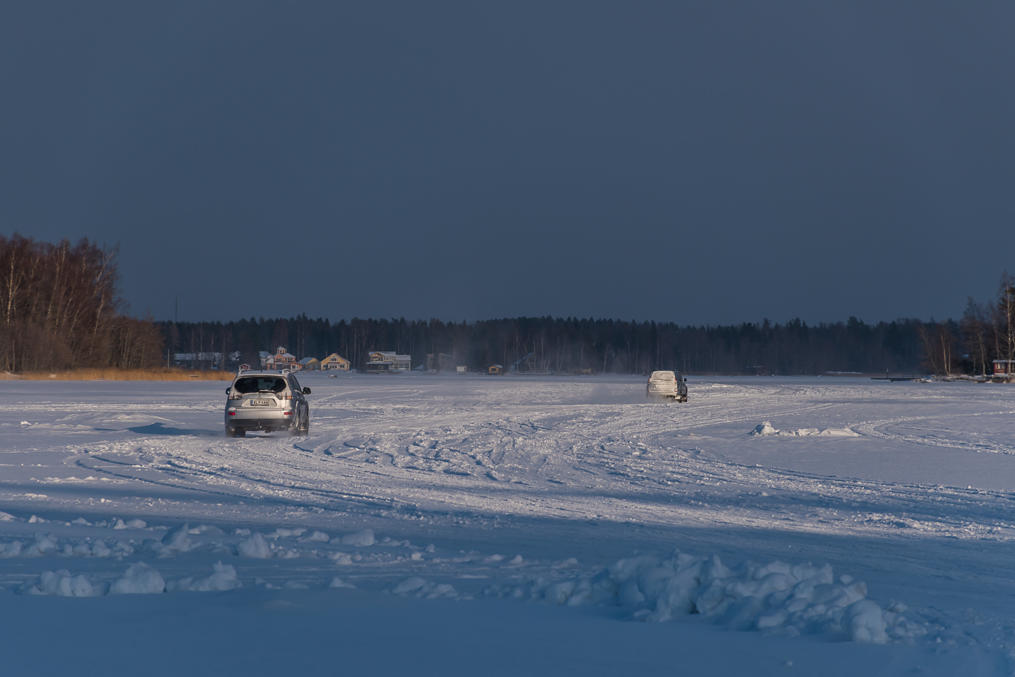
[235, 432]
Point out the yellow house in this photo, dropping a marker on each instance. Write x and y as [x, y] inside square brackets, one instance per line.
[335, 361]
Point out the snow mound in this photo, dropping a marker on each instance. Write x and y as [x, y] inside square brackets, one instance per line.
[139, 579]
[775, 597]
[317, 537]
[223, 577]
[419, 587]
[254, 547]
[766, 429]
[63, 584]
[177, 540]
[43, 545]
[286, 533]
[98, 548]
[11, 549]
[362, 539]
[337, 582]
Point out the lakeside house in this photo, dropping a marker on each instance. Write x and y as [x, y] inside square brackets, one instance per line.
[388, 362]
[335, 361]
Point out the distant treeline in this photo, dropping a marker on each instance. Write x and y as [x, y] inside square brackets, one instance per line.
[58, 310]
[985, 333]
[577, 345]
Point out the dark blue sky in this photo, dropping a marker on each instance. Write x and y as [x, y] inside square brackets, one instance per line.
[700, 162]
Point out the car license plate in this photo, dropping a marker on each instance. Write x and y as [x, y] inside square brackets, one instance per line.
[260, 403]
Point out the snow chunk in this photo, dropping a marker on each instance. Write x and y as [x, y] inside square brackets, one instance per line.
[764, 429]
[337, 582]
[255, 547]
[63, 584]
[317, 537]
[139, 579]
[177, 540]
[418, 587]
[12, 549]
[866, 622]
[223, 577]
[342, 558]
[287, 533]
[97, 549]
[363, 538]
[205, 529]
[43, 545]
[6, 517]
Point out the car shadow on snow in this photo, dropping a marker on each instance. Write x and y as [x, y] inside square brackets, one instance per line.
[162, 429]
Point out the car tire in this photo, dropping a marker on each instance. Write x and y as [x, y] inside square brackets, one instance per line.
[304, 426]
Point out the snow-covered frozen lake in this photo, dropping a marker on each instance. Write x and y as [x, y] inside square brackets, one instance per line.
[510, 526]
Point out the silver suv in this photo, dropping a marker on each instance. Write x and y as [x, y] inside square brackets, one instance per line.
[667, 384]
[266, 400]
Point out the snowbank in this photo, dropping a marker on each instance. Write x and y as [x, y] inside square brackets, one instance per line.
[766, 429]
[775, 597]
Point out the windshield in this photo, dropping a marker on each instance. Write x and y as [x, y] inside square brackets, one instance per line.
[663, 376]
[253, 384]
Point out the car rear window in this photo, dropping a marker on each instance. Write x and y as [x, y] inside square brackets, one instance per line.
[663, 376]
[253, 384]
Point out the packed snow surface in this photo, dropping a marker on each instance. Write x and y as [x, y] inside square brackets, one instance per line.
[513, 525]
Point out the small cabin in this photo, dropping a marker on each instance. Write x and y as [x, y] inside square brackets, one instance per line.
[1004, 367]
[495, 369]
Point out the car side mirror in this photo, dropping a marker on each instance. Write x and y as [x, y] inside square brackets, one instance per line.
[306, 391]
[227, 390]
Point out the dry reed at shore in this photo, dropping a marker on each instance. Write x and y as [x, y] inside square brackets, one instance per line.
[111, 374]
